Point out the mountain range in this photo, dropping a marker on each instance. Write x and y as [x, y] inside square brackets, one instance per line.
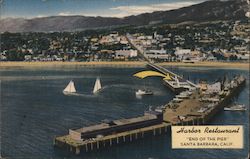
[206, 11]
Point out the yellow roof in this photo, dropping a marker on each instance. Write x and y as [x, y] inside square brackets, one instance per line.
[145, 74]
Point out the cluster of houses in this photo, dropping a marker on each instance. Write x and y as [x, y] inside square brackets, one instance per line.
[116, 46]
[185, 44]
[155, 48]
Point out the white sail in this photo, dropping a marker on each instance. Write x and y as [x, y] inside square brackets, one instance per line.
[97, 86]
[70, 88]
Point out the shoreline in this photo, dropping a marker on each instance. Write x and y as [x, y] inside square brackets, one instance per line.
[232, 65]
[236, 65]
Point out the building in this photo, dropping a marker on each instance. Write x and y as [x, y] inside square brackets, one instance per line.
[214, 88]
[157, 54]
[186, 55]
[3, 56]
[180, 53]
[27, 58]
[117, 126]
[243, 57]
[126, 53]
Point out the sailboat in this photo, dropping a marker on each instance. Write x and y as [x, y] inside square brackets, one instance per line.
[97, 86]
[70, 88]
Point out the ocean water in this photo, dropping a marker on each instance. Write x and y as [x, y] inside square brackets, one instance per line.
[34, 110]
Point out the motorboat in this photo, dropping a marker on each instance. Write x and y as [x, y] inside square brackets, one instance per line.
[144, 92]
[238, 107]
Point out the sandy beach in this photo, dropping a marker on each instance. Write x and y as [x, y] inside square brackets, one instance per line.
[236, 65]
[84, 64]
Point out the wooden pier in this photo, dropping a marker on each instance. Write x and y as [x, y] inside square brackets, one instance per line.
[189, 108]
[178, 84]
[79, 146]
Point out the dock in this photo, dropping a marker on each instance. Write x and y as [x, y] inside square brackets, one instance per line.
[77, 147]
[191, 110]
[113, 132]
[177, 84]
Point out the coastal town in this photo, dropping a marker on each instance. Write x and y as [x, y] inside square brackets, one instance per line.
[187, 42]
[119, 79]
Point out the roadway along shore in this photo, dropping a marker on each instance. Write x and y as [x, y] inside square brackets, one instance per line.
[235, 65]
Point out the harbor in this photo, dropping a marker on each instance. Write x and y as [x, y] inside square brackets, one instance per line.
[191, 106]
[52, 114]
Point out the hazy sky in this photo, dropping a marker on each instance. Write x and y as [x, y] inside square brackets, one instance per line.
[111, 8]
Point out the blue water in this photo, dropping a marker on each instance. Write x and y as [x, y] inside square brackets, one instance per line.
[34, 110]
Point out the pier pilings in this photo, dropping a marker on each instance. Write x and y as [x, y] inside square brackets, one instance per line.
[78, 147]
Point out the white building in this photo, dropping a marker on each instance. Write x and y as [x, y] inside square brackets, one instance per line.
[243, 57]
[162, 51]
[3, 56]
[149, 37]
[126, 53]
[27, 58]
[214, 88]
[157, 54]
[181, 52]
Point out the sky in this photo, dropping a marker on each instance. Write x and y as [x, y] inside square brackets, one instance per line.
[104, 8]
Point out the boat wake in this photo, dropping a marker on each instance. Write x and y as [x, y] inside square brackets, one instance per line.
[93, 95]
[80, 95]
[116, 85]
[156, 92]
[107, 87]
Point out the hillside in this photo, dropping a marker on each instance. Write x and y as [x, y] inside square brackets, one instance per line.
[206, 11]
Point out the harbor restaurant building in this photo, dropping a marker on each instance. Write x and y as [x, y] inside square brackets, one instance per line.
[117, 126]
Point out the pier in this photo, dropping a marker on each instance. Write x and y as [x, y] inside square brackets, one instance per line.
[77, 146]
[177, 84]
[113, 132]
[191, 107]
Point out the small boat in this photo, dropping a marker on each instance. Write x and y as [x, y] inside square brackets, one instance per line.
[70, 88]
[177, 100]
[238, 107]
[182, 96]
[97, 86]
[143, 92]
